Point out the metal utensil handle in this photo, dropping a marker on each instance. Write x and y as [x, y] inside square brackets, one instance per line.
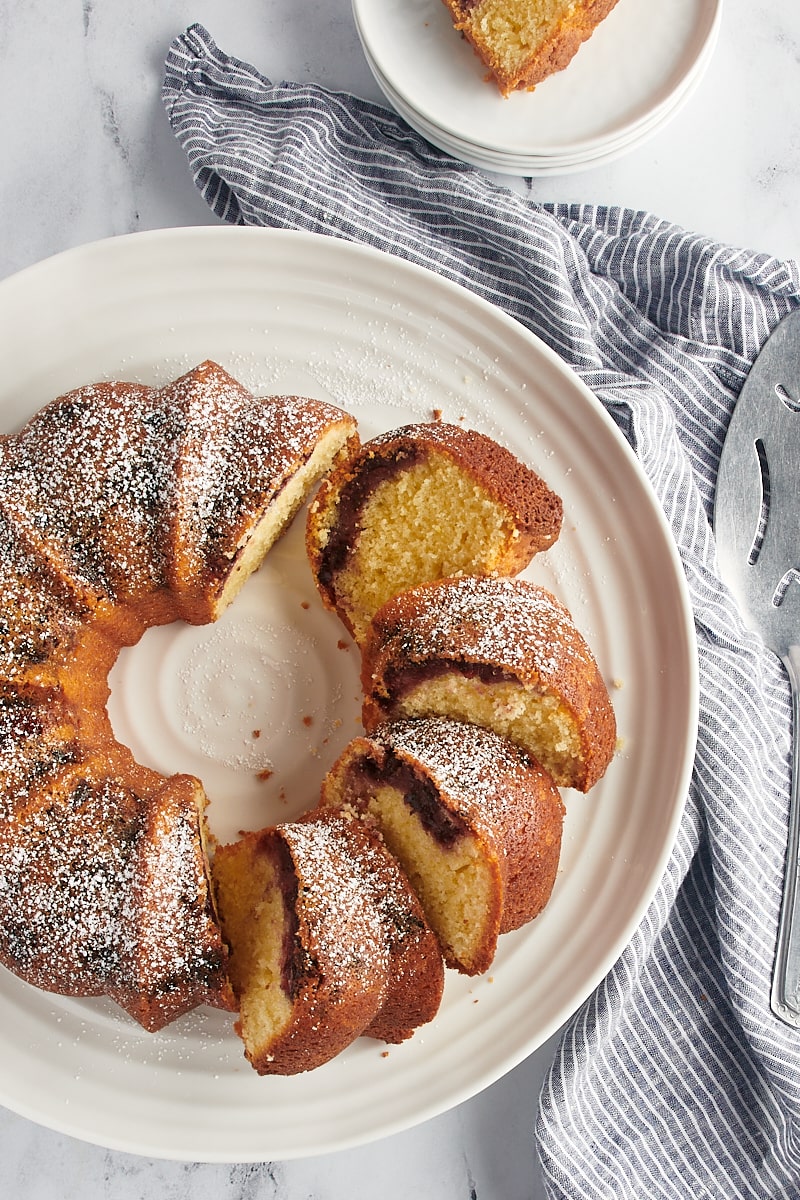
[785, 1001]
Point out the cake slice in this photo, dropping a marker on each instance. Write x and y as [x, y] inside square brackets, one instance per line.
[327, 942]
[502, 653]
[474, 822]
[419, 503]
[523, 41]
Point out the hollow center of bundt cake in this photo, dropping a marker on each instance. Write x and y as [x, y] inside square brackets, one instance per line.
[254, 704]
[423, 522]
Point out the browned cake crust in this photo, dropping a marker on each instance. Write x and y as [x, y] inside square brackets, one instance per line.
[503, 653]
[121, 507]
[329, 942]
[547, 35]
[475, 823]
[418, 503]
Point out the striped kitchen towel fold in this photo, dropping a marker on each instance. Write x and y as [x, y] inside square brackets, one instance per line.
[673, 1079]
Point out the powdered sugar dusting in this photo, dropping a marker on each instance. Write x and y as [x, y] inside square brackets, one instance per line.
[83, 903]
[39, 617]
[512, 623]
[478, 769]
[334, 871]
[126, 445]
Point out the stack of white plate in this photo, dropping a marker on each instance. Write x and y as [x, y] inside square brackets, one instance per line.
[633, 75]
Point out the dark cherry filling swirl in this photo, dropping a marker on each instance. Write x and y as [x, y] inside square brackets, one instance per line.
[293, 956]
[354, 496]
[419, 793]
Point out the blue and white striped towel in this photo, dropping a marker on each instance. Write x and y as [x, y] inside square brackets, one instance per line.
[673, 1080]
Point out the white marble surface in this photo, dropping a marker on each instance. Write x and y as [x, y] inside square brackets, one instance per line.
[87, 153]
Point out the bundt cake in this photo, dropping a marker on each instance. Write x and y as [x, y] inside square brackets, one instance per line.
[419, 503]
[121, 507]
[502, 653]
[475, 823]
[523, 41]
[328, 942]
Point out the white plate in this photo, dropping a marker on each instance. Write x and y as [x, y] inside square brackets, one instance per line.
[625, 75]
[391, 342]
[489, 159]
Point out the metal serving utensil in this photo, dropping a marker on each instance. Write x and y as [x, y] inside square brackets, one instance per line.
[757, 528]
